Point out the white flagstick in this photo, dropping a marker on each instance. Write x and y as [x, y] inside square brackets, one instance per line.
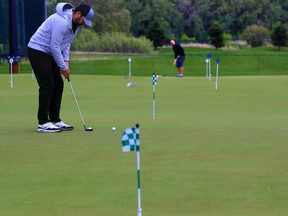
[207, 60]
[154, 82]
[138, 169]
[209, 65]
[11, 73]
[153, 114]
[131, 142]
[129, 67]
[217, 67]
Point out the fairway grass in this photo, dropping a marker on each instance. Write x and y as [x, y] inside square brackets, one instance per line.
[240, 62]
[207, 153]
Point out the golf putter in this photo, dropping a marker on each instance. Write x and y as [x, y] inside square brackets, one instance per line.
[85, 128]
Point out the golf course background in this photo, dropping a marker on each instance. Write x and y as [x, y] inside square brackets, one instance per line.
[240, 62]
[207, 153]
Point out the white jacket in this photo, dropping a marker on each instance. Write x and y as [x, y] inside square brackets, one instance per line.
[55, 35]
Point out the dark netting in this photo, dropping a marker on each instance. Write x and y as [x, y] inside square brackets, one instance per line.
[4, 23]
[19, 19]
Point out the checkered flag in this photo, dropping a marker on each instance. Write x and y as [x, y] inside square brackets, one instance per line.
[130, 140]
[154, 79]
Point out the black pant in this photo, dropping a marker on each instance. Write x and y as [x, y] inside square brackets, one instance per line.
[50, 84]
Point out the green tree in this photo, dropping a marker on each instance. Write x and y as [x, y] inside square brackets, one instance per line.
[141, 16]
[110, 16]
[279, 35]
[255, 35]
[143, 12]
[216, 35]
[283, 12]
[268, 12]
[178, 17]
[234, 15]
[155, 33]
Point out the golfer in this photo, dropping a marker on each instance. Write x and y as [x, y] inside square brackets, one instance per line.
[48, 52]
[179, 57]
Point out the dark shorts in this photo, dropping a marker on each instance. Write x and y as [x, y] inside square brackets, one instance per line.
[180, 61]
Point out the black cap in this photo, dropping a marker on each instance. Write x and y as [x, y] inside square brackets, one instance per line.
[87, 12]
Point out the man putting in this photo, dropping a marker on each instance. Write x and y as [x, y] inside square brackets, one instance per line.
[179, 57]
[48, 52]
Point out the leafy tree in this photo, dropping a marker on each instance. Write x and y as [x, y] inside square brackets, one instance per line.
[255, 35]
[143, 12]
[283, 12]
[175, 22]
[192, 14]
[178, 17]
[267, 13]
[279, 35]
[141, 15]
[216, 34]
[111, 16]
[156, 33]
[234, 15]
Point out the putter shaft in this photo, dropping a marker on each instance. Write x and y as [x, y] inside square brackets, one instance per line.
[70, 84]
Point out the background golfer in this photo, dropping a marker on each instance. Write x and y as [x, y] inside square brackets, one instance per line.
[48, 52]
[179, 57]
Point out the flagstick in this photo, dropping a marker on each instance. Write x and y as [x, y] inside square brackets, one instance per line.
[209, 65]
[129, 67]
[11, 72]
[210, 75]
[216, 84]
[207, 60]
[217, 67]
[154, 82]
[153, 109]
[131, 142]
[138, 170]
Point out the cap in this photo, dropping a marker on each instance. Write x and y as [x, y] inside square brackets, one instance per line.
[87, 12]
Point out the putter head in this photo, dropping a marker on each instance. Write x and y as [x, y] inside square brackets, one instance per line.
[88, 129]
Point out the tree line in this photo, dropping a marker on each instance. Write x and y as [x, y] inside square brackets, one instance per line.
[180, 19]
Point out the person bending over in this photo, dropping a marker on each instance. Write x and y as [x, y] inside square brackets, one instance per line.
[48, 52]
[179, 57]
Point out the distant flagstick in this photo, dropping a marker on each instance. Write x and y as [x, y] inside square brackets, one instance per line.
[154, 82]
[209, 66]
[131, 142]
[11, 72]
[129, 67]
[217, 68]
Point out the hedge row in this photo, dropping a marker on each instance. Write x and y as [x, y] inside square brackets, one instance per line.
[87, 40]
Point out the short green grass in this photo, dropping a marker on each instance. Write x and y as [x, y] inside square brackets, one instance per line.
[243, 62]
[208, 152]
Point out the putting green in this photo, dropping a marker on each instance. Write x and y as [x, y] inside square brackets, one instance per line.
[208, 152]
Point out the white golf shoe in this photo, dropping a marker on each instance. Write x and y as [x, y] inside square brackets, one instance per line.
[63, 126]
[48, 128]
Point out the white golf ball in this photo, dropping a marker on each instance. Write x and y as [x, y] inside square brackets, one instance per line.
[113, 128]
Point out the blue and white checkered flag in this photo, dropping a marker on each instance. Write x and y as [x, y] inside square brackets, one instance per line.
[154, 79]
[130, 140]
